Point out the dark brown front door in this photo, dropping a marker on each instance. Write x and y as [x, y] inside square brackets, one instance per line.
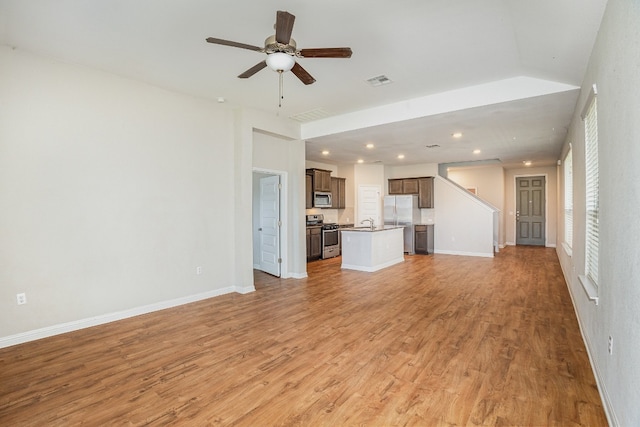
[530, 207]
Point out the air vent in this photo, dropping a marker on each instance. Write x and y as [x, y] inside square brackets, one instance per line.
[379, 81]
[432, 146]
[309, 116]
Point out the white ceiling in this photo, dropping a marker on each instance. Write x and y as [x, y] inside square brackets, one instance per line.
[426, 47]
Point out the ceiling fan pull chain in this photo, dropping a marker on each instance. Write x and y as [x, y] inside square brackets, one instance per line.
[280, 95]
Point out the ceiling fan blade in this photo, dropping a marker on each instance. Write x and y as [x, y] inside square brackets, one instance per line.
[284, 26]
[329, 52]
[251, 71]
[233, 44]
[302, 74]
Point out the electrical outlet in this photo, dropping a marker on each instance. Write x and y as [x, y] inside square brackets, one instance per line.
[198, 270]
[610, 344]
[21, 298]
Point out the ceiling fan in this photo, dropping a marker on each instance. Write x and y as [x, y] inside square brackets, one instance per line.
[282, 51]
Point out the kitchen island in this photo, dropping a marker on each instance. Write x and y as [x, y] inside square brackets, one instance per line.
[372, 249]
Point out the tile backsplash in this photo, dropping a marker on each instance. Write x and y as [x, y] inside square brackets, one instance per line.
[340, 216]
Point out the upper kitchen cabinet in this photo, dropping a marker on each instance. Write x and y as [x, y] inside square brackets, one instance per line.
[338, 192]
[423, 187]
[309, 191]
[403, 186]
[425, 192]
[395, 187]
[321, 179]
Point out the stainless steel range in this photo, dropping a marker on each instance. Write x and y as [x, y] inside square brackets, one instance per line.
[330, 235]
[330, 240]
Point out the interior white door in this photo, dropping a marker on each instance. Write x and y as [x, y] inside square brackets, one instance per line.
[369, 203]
[270, 225]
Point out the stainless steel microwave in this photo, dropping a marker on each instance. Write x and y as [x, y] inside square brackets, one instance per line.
[321, 200]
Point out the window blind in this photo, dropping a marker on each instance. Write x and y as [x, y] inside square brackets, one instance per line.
[592, 196]
[568, 198]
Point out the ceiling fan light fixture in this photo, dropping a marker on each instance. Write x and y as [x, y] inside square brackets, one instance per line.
[279, 61]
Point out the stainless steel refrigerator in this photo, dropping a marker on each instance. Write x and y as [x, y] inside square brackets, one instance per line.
[403, 210]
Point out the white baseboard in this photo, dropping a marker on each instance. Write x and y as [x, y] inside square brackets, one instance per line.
[480, 254]
[245, 290]
[551, 245]
[372, 269]
[298, 275]
[75, 325]
[604, 395]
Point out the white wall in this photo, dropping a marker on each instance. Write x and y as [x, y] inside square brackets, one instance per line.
[325, 166]
[613, 67]
[489, 184]
[410, 171]
[463, 225]
[347, 215]
[113, 191]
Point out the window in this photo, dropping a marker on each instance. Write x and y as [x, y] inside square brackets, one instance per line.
[590, 117]
[568, 199]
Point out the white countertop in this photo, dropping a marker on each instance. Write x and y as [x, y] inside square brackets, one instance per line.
[374, 229]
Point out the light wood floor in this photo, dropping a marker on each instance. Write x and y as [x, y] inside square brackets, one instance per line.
[436, 341]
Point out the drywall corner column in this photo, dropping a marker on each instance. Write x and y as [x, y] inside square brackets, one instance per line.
[242, 176]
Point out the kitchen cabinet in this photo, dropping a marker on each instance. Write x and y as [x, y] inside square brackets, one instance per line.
[423, 235]
[314, 243]
[403, 186]
[423, 187]
[395, 187]
[425, 192]
[320, 179]
[309, 191]
[338, 190]
[308, 243]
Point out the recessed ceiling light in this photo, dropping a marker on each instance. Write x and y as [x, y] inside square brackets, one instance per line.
[360, 161]
[325, 153]
[477, 151]
[401, 156]
[369, 145]
[527, 162]
[457, 135]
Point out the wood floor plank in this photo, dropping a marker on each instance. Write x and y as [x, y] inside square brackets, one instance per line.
[435, 341]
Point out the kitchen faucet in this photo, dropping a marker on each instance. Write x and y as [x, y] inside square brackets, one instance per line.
[370, 222]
